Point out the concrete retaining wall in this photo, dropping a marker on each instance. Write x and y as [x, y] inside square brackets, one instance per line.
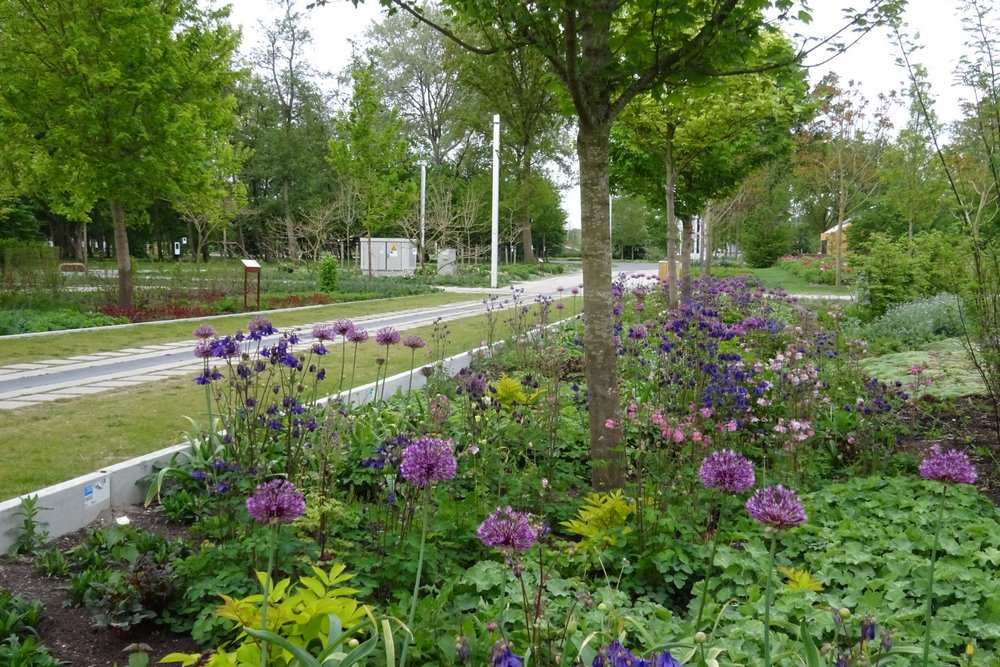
[71, 505]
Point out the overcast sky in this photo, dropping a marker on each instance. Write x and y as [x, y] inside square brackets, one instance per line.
[336, 26]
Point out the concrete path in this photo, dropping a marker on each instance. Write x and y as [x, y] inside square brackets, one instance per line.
[25, 385]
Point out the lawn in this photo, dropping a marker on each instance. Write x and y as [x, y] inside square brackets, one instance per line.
[62, 344]
[54, 442]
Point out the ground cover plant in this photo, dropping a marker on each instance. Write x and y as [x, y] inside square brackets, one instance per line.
[770, 515]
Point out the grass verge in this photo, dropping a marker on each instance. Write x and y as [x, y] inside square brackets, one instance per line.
[62, 344]
[57, 441]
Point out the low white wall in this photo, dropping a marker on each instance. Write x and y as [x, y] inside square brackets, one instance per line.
[71, 505]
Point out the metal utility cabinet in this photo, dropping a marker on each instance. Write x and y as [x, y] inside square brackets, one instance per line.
[388, 257]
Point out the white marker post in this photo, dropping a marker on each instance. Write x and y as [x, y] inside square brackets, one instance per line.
[496, 201]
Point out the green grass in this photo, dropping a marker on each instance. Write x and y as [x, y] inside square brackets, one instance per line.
[60, 440]
[60, 345]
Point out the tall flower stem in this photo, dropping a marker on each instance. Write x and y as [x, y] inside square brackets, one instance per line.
[354, 366]
[416, 584]
[409, 385]
[930, 581]
[267, 595]
[711, 566]
[385, 375]
[343, 361]
[767, 601]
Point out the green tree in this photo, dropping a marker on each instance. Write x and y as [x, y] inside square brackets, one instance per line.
[117, 101]
[630, 224]
[605, 53]
[687, 145]
[370, 151]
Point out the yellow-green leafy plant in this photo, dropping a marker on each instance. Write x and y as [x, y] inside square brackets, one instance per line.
[306, 614]
[510, 391]
[600, 516]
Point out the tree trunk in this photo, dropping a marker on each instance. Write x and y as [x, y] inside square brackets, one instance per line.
[687, 247]
[600, 358]
[81, 249]
[670, 186]
[122, 255]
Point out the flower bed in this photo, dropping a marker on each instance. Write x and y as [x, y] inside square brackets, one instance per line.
[766, 516]
[817, 269]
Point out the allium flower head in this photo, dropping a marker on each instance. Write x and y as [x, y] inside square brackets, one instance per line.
[727, 471]
[276, 500]
[387, 336]
[950, 467]
[204, 331]
[341, 327]
[428, 460]
[777, 507]
[323, 332]
[507, 530]
[414, 342]
[357, 335]
[203, 349]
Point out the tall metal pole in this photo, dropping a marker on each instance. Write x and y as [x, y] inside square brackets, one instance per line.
[423, 210]
[496, 201]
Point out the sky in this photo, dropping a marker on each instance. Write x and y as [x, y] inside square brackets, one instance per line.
[872, 62]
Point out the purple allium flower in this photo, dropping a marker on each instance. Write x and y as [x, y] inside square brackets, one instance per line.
[357, 336]
[950, 467]
[276, 500]
[428, 460]
[776, 507]
[341, 327]
[507, 530]
[387, 336]
[727, 471]
[204, 331]
[638, 332]
[323, 332]
[414, 342]
[203, 349]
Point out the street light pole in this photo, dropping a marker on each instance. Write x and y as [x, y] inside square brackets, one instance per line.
[423, 199]
[496, 200]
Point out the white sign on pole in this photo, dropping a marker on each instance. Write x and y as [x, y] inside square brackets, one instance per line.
[496, 201]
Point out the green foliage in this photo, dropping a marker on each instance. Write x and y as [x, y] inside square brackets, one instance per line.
[19, 621]
[914, 323]
[308, 614]
[33, 533]
[894, 271]
[868, 541]
[27, 264]
[31, 321]
[764, 241]
[327, 274]
[601, 514]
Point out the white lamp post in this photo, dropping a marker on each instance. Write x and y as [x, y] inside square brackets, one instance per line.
[496, 200]
[423, 199]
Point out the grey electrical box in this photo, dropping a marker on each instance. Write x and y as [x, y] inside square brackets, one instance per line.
[388, 257]
[447, 265]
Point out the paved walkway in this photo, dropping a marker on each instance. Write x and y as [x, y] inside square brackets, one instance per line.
[25, 385]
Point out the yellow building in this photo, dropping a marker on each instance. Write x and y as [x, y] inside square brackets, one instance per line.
[828, 240]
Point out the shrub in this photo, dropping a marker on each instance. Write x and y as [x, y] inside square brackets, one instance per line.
[30, 321]
[915, 323]
[327, 271]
